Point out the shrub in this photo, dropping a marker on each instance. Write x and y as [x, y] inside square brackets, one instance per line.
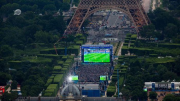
[126, 40]
[58, 79]
[57, 68]
[153, 55]
[111, 90]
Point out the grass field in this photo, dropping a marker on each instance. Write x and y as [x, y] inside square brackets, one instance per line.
[97, 57]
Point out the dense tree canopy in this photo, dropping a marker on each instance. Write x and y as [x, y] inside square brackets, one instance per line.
[152, 95]
[164, 26]
[38, 22]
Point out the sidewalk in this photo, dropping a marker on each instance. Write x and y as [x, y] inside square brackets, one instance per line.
[119, 53]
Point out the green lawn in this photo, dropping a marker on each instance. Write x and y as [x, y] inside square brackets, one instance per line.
[97, 57]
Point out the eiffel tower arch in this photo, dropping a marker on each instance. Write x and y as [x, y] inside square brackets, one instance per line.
[132, 8]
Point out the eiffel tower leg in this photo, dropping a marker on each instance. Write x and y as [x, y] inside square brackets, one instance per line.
[132, 8]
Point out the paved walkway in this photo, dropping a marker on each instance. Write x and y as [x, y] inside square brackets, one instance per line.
[8, 90]
[119, 52]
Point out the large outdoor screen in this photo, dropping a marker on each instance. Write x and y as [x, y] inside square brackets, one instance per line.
[74, 78]
[103, 78]
[96, 54]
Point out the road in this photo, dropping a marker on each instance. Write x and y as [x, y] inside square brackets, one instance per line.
[112, 24]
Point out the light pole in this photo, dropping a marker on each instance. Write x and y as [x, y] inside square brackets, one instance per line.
[118, 81]
[120, 95]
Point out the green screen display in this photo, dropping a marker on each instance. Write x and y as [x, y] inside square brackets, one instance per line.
[145, 89]
[102, 78]
[96, 55]
[74, 78]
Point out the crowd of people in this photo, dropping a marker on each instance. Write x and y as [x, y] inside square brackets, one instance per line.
[91, 73]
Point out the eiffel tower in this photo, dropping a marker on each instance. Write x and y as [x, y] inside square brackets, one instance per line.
[132, 8]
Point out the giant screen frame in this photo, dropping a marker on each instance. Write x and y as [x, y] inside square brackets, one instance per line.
[108, 52]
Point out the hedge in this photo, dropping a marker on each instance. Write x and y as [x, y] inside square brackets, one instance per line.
[153, 55]
[124, 50]
[57, 68]
[128, 35]
[58, 79]
[15, 64]
[51, 77]
[117, 66]
[60, 63]
[71, 56]
[117, 48]
[137, 51]
[126, 41]
[69, 61]
[134, 37]
[64, 58]
[55, 72]
[169, 45]
[54, 56]
[61, 51]
[49, 81]
[79, 42]
[37, 60]
[112, 83]
[83, 39]
[125, 44]
[131, 44]
[51, 90]
[61, 72]
[66, 65]
[44, 52]
[132, 41]
[64, 69]
[121, 80]
[120, 61]
[47, 94]
[111, 90]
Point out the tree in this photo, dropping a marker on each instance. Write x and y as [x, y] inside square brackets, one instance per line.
[8, 8]
[2, 2]
[169, 76]
[85, 23]
[66, 1]
[126, 93]
[171, 30]
[29, 15]
[148, 31]
[31, 30]
[152, 95]
[20, 21]
[20, 77]
[42, 37]
[3, 66]
[176, 68]
[161, 69]
[6, 97]
[169, 97]
[76, 2]
[165, 3]
[65, 6]
[4, 77]
[6, 51]
[14, 85]
[14, 36]
[49, 7]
